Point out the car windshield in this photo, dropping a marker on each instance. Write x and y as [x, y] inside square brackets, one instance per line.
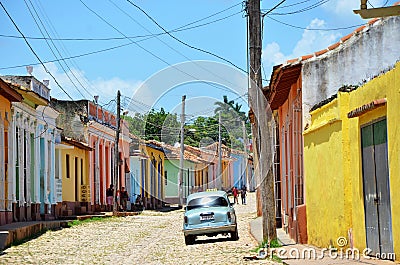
[209, 201]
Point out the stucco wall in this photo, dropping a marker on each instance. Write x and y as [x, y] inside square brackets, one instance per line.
[334, 190]
[361, 57]
[323, 159]
[68, 184]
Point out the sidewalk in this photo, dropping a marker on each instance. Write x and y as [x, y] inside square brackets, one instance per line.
[18, 231]
[296, 254]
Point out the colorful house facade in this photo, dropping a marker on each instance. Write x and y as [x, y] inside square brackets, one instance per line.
[152, 175]
[301, 83]
[191, 169]
[7, 96]
[91, 128]
[32, 138]
[354, 138]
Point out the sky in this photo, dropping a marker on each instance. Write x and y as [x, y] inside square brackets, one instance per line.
[115, 45]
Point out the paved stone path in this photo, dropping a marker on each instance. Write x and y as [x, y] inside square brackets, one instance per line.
[150, 238]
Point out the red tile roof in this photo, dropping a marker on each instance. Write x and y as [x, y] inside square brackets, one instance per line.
[335, 45]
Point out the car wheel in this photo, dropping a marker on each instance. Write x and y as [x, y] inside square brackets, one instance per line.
[189, 240]
[235, 235]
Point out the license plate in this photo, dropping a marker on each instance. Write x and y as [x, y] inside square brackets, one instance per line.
[206, 217]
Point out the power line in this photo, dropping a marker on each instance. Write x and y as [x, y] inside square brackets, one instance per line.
[316, 29]
[184, 43]
[51, 49]
[315, 5]
[148, 36]
[33, 51]
[286, 6]
[175, 50]
[64, 48]
[181, 28]
[272, 9]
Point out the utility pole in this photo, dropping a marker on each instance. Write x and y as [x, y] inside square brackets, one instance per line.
[116, 154]
[182, 151]
[246, 162]
[219, 151]
[260, 137]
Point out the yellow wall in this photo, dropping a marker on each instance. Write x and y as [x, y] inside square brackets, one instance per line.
[151, 152]
[333, 163]
[68, 184]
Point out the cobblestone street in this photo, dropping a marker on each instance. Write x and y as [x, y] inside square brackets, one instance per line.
[150, 238]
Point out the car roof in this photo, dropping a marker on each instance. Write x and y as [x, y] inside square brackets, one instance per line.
[206, 194]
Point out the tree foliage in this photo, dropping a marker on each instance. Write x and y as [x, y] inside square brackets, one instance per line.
[203, 131]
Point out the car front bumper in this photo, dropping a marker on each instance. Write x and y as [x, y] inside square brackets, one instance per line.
[203, 230]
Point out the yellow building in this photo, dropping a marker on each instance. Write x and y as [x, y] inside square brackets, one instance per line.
[153, 181]
[75, 176]
[352, 167]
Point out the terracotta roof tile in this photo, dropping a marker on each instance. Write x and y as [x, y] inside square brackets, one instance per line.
[337, 44]
[345, 38]
[305, 57]
[292, 61]
[318, 53]
[333, 46]
[372, 21]
[360, 29]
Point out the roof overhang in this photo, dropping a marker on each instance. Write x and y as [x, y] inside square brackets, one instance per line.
[282, 79]
[9, 93]
[33, 97]
[76, 143]
[387, 11]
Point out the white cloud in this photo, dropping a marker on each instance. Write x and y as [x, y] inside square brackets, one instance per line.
[310, 42]
[313, 40]
[344, 8]
[105, 88]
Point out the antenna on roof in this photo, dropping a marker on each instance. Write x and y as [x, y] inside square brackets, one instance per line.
[29, 69]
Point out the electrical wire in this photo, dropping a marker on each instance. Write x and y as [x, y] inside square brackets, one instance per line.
[175, 50]
[181, 28]
[272, 9]
[184, 43]
[316, 29]
[33, 51]
[308, 8]
[64, 48]
[55, 47]
[286, 6]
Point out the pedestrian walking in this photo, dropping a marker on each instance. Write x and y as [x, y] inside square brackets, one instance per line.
[123, 196]
[235, 195]
[109, 195]
[243, 194]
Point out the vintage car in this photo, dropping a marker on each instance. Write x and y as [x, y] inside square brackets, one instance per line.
[209, 213]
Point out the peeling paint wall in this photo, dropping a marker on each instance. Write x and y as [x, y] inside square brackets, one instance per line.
[365, 54]
[72, 119]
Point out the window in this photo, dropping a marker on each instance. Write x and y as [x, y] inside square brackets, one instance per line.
[67, 166]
